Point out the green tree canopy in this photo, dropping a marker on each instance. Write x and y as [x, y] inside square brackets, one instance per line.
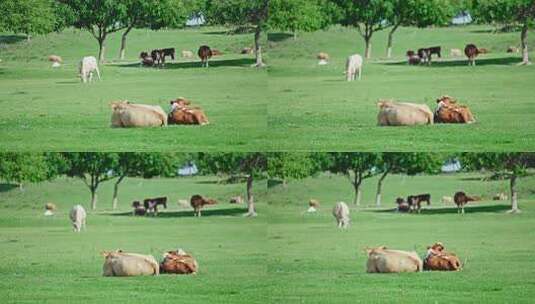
[29, 17]
[298, 15]
[23, 168]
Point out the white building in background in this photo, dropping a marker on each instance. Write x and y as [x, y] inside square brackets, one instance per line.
[451, 166]
[196, 20]
[189, 169]
[462, 18]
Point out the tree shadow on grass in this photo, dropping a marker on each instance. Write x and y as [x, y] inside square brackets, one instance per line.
[243, 62]
[277, 37]
[10, 39]
[189, 213]
[4, 187]
[464, 62]
[452, 210]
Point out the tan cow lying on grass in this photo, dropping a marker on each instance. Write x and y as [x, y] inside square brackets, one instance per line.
[126, 114]
[122, 264]
[179, 262]
[183, 114]
[449, 111]
[383, 260]
[437, 258]
[403, 114]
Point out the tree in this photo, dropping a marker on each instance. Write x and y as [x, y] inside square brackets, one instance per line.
[29, 17]
[508, 165]
[356, 166]
[251, 164]
[92, 168]
[298, 15]
[368, 16]
[100, 18]
[420, 13]
[290, 165]
[521, 12]
[23, 168]
[154, 14]
[405, 163]
[146, 165]
[253, 13]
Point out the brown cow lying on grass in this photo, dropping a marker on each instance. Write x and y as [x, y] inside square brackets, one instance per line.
[383, 260]
[126, 114]
[122, 264]
[403, 114]
[439, 259]
[179, 262]
[182, 114]
[198, 202]
[448, 111]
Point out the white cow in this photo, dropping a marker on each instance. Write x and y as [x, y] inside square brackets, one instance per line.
[341, 213]
[87, 66]
[77, 216]
[353, 66]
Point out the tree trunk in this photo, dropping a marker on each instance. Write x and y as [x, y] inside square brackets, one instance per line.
[380, 189]
[123, 42]
[390, 40]
[524, 43]
[368, 51]
[356, 185]
[250, 199]
[93, 198]
[101, 49]
[258, 48]
[21, 188]
[514, 198]
[28, 37]
[295, 35]
[116, 192]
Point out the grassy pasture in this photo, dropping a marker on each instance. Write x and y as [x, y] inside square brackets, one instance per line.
[46, 109]
[313, 108]
[317, 263]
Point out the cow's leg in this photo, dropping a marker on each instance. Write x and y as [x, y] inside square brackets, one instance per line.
[91, 76]
[462, 209]
[98, 73]
[360, 72]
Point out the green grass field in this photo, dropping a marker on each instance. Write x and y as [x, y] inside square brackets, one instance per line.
[282, 256]
[46, 109]
[313, 108]
[314, 262]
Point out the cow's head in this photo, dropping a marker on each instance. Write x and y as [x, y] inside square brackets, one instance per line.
[382, 103]
[117, 105]
[437, 247]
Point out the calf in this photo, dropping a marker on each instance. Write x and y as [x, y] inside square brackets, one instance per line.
[471, 51]
[205, 53]
[461, 199]
[198, 202]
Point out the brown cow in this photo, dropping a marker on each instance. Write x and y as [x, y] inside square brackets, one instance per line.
[403, 206]
[205, 53]
[179, 262]
[471, 51]
[448, 111]
[415, 201]
[460, 198]
[182, 114]
[197, 203]
[439, 259]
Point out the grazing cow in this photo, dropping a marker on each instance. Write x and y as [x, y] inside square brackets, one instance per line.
[448, 111]
[182, 114]
[341, 214]
[383, 260]
[456, 53]
[403, 206]
[151, 204]
[500, 197]
[323, 58]
[198, 202]
[122, 264]
[236, 199]
[216, 52]
[412, 58]
[353, 67]
[447, 200]
[78, 216]
[471, 51]
[187, 54]
[426, 54]
[126, 114]
[86, 67]
[178, 262]
[415, 201]
[461, 199]
[512, 49]
[403, 114]
[205, 53]
[49, 209]
[439, 259]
